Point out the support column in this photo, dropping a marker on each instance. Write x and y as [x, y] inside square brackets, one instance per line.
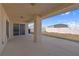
[37, 29]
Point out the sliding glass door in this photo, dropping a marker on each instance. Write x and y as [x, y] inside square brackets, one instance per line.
[18, 29]
[22, 29]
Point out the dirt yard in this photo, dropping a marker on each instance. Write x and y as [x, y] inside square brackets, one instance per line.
[65, 36]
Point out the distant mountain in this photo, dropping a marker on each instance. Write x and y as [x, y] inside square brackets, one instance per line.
[59, 26]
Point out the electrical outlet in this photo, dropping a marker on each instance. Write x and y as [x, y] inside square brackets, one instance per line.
[2, 42]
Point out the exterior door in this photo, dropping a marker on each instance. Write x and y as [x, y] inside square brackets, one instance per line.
[7, 29]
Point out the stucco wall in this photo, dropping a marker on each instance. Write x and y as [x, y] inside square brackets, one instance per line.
[3, 37]
[73, 30]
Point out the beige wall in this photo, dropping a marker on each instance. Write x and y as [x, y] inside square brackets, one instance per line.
[3, 19]
[71, 30]
[59, 30]
[3, 37]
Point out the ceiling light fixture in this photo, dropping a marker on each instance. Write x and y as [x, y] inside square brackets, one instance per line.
[32, 4]
[21, 17]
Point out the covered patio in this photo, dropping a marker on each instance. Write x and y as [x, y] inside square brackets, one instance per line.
[15, 16]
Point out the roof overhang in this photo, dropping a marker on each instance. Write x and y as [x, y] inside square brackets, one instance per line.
[25, 12]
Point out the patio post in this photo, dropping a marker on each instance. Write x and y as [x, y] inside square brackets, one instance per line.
[37, 29]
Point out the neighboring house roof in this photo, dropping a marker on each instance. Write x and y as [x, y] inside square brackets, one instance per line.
[59, 26]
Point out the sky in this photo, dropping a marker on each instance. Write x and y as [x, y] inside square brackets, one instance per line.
[71, 18]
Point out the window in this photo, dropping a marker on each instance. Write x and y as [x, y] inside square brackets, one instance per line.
[18, 29]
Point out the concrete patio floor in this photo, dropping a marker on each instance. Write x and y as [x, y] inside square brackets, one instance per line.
[48, 46]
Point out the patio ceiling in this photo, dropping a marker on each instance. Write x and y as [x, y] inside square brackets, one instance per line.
[26, 11]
